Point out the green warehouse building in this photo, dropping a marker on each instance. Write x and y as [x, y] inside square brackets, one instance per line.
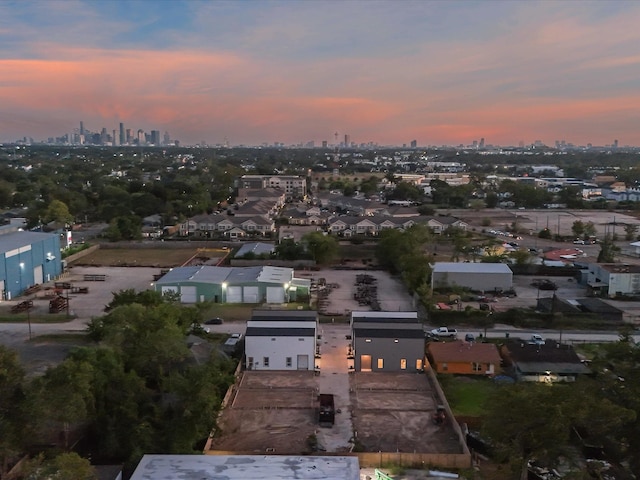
[262, 284]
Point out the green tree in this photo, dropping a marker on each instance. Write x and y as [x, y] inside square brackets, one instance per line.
[288, 249]
[323, 248]
[64, 393]
[577, 228]
[630, 231]
[590, 229]
[608, 250]
[65, 466]
[57, 211]
[124, 228]
[528, 421]
[521, 257]
[14, 416]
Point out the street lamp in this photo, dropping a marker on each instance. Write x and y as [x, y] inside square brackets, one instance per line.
[20, 274]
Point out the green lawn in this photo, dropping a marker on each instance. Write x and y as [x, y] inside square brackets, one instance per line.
[466, 396]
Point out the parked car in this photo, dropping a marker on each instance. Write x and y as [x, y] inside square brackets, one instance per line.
[469, 337]
[536, 339]
[214, 321]
[445, 332]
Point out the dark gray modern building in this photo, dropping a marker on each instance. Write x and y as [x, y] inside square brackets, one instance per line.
[387, 342]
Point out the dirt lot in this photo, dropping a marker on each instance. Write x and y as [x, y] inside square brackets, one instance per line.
[150, 257]
[271, 410]
[392, 412]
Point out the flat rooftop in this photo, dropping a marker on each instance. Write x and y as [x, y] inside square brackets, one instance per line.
[243, 467]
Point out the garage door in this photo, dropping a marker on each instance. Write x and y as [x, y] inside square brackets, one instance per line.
[275, 295]
[188, 294]
[37, 275]
[234, 294]
[251, 295]
[303, 362]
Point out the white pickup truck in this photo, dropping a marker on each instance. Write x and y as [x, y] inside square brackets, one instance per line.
[444, 332]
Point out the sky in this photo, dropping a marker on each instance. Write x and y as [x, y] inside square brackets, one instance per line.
[388, 72]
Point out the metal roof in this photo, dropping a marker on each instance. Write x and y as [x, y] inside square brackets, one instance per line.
[242, 467]
[11, 241]
[463, 267]
[279, 332]
[275, 274]
[388, 333]
[231, 275]
[255, 247]
[284, 315]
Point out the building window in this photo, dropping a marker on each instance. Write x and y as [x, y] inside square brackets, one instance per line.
[265, 361]
[380, 363]
[273, 339]
[301, 339]
[419, 364]
[289, 362]
[250, 363]
[445, 367]
[396, 341]
[403, 364]
[367, 340]
[476, 367]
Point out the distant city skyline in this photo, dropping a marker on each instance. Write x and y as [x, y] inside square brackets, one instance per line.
[380, 72]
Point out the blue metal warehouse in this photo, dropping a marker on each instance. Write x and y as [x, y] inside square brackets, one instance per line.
[27, 258]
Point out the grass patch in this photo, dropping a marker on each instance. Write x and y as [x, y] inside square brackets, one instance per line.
[79, 338]
[48, 318]
[466, 396]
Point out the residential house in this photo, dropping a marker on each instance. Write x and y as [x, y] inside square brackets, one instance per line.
[549, 362]
[466, 358]
[281, 340]
[387, 341]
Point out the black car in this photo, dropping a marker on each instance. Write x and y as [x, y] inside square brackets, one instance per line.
[214, 321]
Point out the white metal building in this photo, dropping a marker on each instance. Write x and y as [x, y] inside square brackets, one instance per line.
[485, 277]
[281, 340]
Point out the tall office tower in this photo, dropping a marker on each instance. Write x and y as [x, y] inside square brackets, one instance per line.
[141, 137]
[167, 138]
[129, 136]
[475, 144]
[103, 136]
[122, 137]
[114, 139]
[481, 143]
[324, 144]
[155, 137]
[414, 143]
[81, 128]
[347, 140]
[615, 144]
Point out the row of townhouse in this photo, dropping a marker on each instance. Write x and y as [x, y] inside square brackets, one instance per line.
[209, 226]
[240, 226]
[348, 226]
